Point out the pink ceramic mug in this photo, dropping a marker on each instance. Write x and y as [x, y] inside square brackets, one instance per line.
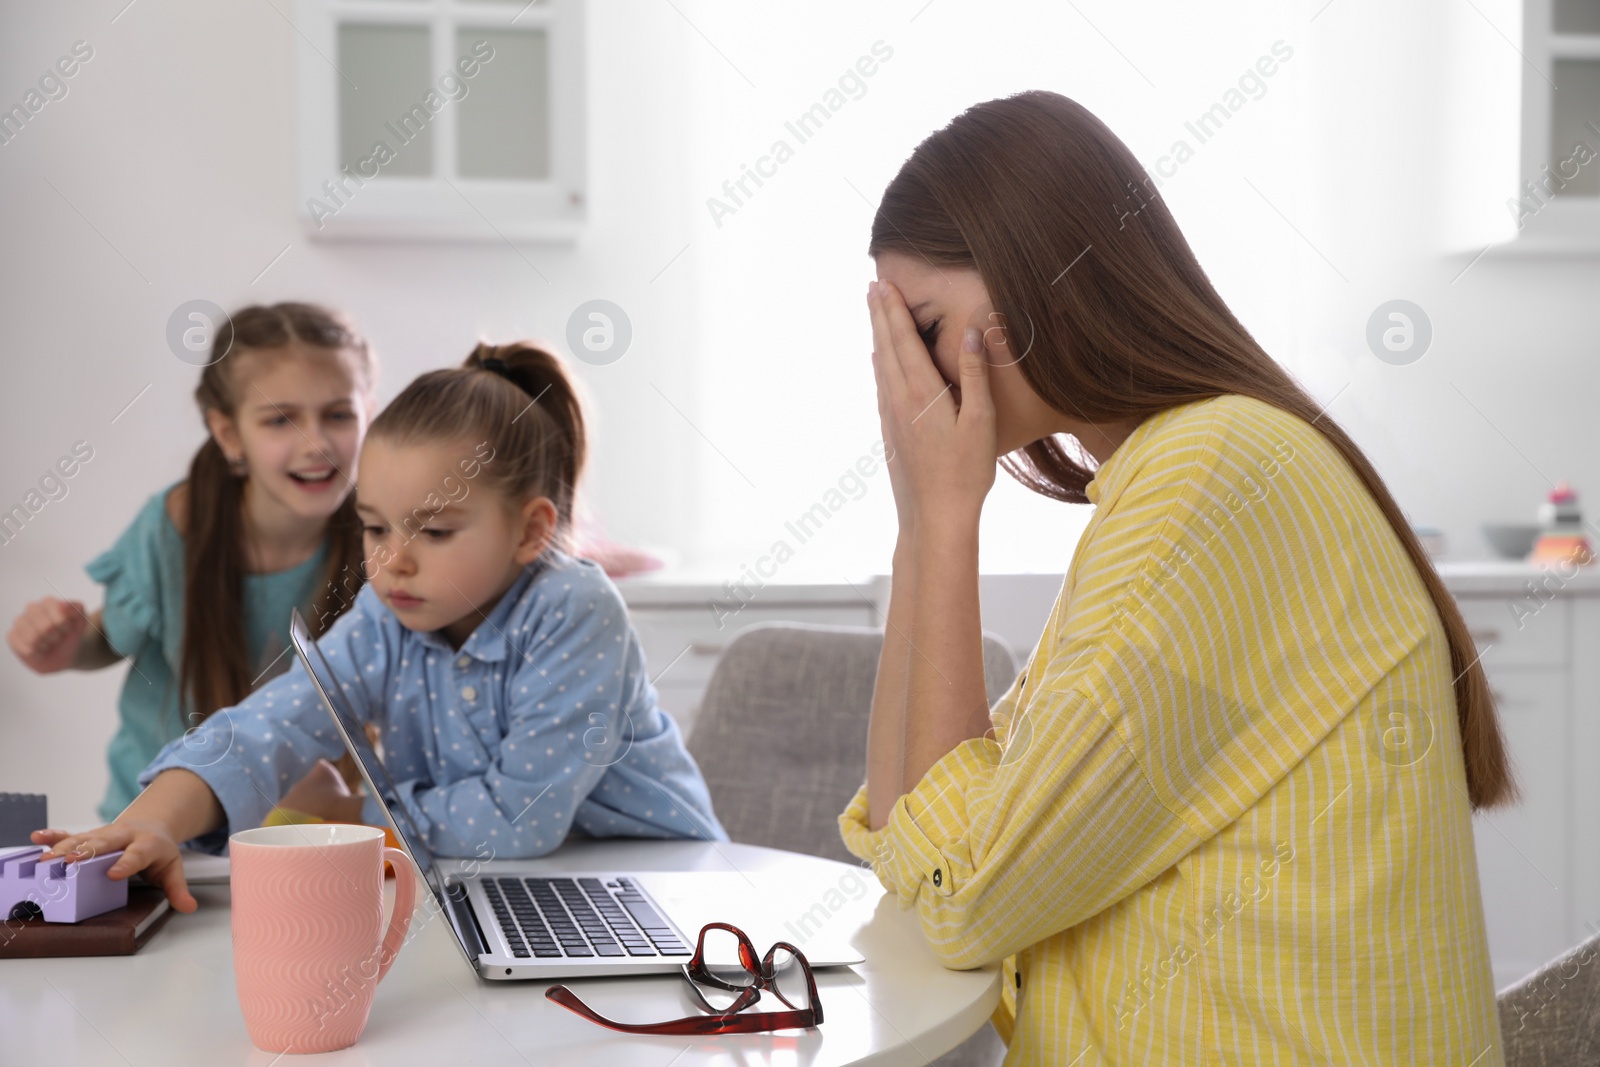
[309, 946]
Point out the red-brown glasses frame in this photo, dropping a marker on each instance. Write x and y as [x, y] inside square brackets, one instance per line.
[732, 1020]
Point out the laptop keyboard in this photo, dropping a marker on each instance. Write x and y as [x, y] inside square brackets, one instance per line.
[575, 917]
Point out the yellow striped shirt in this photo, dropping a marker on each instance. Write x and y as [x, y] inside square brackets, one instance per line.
[1223, 818]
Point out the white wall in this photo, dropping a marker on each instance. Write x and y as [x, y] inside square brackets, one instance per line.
[748, 389]
[1406, 116]
[787, 343]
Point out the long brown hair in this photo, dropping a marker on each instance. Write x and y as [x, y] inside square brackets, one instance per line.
[527, 409]
[215, 671]
[1022, 187]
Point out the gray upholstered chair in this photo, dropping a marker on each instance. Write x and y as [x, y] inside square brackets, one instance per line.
[781, 737]
[1552, 1016]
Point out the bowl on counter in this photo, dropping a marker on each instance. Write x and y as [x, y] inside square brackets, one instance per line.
[1513, 540]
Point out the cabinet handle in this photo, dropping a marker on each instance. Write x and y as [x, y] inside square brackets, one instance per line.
[1482, 637]
[704, 648]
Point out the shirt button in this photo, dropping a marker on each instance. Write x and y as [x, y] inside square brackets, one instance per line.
[469, 692]
[938, 877]
[464, 662]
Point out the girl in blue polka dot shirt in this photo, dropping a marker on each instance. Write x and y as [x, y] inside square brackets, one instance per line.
[499, 673]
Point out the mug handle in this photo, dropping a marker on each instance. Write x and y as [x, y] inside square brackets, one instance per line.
[405, 902]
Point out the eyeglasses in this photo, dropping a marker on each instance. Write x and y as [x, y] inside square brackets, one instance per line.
[726, 976]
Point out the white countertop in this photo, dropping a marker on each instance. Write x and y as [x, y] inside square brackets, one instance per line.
[1502, 577]
[676, 586]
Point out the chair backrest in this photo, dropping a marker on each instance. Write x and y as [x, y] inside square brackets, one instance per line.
[781, 735]
[1553, 1015]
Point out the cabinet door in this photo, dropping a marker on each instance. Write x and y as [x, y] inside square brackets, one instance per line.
[429, 119]
[1524, 851]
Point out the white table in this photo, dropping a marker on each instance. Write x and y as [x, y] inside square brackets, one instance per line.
[173, 1003]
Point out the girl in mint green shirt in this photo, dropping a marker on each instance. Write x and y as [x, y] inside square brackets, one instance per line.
[199, 588]
[143, 574]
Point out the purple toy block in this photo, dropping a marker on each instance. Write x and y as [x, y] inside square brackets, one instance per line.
[62, 892]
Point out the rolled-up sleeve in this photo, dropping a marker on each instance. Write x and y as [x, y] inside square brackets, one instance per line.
[1002, 845]
[900, 869]
[921, 844]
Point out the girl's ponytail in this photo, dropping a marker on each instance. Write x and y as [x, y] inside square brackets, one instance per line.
[517, 398]
[214, 670]
[544, 378]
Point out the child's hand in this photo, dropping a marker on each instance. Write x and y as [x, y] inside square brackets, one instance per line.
[148, 848]
[47, 634]
[323, 793]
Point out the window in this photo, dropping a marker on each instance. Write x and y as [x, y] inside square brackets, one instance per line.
[453, 119]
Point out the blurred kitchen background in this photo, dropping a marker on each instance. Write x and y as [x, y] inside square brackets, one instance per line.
[1342, 155]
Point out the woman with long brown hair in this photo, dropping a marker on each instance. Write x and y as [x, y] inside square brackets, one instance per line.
[1224, 814]
[199, 588]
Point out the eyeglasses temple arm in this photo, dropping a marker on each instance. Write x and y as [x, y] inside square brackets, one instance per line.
[748, 1022]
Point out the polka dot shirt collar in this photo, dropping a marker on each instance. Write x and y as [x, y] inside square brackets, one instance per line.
[488, 643]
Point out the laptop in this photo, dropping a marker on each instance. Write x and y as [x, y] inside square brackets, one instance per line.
[518, 920]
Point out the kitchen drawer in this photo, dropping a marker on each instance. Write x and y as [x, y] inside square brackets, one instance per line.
[1540, 641]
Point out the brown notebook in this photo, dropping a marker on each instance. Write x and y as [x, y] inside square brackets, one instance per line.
[115, 933]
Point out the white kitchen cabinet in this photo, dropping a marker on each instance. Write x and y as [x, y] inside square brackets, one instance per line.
[446, 120]
[1537, 632]
[1524, 851]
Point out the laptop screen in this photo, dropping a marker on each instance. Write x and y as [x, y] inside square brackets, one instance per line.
[372, 768]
